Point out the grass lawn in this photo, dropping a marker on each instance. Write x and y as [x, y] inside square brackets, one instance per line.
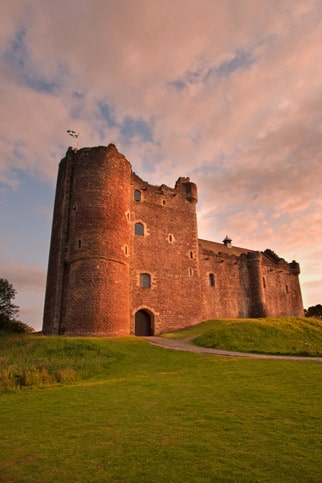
[133, 412]
[297, 336]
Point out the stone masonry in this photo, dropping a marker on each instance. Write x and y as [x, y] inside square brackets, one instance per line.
[125, 257]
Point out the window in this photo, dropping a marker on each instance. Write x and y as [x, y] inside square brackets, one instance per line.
[286, 288]
[170, 238]
[145, 280]
[137, 195]
[190, 272]
[139, 229]
[126, 250]
[191, 254]
[264, 282]
[211, 279]
[79, 244]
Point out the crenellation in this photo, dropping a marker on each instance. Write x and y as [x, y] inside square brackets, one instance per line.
[125, 257]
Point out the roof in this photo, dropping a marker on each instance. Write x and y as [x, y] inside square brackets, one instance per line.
[220, 247]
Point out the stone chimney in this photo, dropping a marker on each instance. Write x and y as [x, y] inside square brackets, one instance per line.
[227, 241]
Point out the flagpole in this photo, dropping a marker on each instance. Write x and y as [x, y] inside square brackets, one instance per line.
[74, 135]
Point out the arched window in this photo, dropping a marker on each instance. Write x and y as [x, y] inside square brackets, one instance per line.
[211, 279]
[145, 280]
[139, 229]
[137, 195]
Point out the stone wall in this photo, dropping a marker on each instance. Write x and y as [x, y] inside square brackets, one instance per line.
[94, 290]
[168, 252]
[282, 293]
[125, 254]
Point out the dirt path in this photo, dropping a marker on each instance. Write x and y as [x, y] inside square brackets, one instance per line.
[185, 345]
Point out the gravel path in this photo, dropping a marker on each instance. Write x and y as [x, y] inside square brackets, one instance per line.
[185, 345]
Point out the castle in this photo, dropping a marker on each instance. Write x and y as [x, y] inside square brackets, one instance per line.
[125, 257]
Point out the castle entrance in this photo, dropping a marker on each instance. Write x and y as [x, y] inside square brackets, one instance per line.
[143, 323]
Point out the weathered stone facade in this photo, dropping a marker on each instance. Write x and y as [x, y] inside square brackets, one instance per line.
[125, 257]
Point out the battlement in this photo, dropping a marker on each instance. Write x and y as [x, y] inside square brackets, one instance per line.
[125, 257]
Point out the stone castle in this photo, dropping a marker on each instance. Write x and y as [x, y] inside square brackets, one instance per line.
[125, 257]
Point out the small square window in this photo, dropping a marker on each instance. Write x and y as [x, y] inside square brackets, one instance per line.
[139, 229]
[145, 280]
[137, 195]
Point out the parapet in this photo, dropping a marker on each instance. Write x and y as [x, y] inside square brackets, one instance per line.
[295, 267]
[189, 189]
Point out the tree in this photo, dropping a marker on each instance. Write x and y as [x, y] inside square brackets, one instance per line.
[314, 311]
[8, 310]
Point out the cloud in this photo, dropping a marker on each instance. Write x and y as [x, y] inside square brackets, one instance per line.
[29, 282]
[226, 92]
[314, 290]
[23, 276]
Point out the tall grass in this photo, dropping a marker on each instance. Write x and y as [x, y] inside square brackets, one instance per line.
[28, 361]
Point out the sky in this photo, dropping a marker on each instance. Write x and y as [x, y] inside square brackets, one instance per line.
[227, 92]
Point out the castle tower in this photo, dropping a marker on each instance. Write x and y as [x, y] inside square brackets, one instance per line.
[88, 274]
[164, 251]
[125, 257]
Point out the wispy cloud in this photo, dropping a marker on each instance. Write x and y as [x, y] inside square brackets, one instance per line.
[226, 92]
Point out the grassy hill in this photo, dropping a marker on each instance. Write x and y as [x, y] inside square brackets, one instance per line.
[282, 335]
[76, 409]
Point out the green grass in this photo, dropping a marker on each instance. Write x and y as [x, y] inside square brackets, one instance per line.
[36, 361]
[139, 413]
[282, 335]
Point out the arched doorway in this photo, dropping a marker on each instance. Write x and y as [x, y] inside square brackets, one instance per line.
[143, 323]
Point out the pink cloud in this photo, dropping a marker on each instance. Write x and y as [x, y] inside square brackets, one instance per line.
[246, 126]
[29, 283]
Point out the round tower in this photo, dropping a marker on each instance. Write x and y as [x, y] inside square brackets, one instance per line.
[96, 282]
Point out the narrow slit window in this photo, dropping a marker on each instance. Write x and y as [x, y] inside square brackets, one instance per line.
[211, 279]
[79, 244]
[139, 229]
[191, 254]
[264, 282]
[145, 280]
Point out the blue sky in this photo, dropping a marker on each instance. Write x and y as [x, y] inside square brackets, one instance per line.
[227, 92]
